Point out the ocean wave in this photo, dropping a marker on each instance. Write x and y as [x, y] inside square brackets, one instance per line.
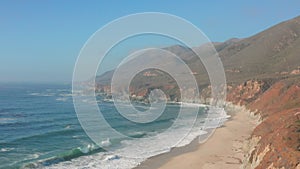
[47, 134]
[100, 160]
[138, 134]
[67, 94]
[186, 104]
[63, 99]
[7, 110]
[112, 157]
[17, 122]
[126, 157]
[63, 90]
[42, 94]
[106, 143]
[78, 136]
[6, 149]
[135, 150]
[7, 121]
[32, 156]
[66, 156]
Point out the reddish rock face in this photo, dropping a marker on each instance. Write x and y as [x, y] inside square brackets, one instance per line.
[245, 93]
[265, 103]
[280, 131]
[142, 93]
[279, 106]
[279, 97]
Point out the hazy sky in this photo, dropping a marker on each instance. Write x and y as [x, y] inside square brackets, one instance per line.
[40, 40]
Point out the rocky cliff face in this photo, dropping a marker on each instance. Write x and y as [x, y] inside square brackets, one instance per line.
[275, 143]
[247, 92]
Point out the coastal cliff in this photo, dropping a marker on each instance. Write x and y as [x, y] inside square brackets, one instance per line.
[275, 142]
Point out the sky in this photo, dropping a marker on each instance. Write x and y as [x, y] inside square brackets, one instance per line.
[40, 40]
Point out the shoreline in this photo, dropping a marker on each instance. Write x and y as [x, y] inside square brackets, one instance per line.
[225, 148]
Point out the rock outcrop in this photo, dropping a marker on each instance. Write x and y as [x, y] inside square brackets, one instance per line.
[275, 142]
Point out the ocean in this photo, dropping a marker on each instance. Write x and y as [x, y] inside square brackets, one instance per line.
[39, 129]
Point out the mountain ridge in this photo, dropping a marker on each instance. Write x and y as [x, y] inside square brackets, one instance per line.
[270, 54]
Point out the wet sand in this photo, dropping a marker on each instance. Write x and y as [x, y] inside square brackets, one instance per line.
[223, 149]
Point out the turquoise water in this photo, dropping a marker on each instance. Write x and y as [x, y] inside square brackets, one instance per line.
[39, 129]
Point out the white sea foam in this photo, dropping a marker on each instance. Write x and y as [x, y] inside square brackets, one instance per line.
[192, 104]
[135, 133]
[135, 151]
[126, 157]
[42, 94]
[7, 120]
[63, 99]
[32, 156]
[6, 149]
[105, 143]
[63, 90]
[111, 157]
[66, 94]
[87, 149]
[78, 136]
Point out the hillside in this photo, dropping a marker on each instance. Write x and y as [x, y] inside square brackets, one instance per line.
[263, 74]
[275, 143]
[272, 54]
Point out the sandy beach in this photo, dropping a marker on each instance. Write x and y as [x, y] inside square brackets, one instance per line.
[224, 149]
